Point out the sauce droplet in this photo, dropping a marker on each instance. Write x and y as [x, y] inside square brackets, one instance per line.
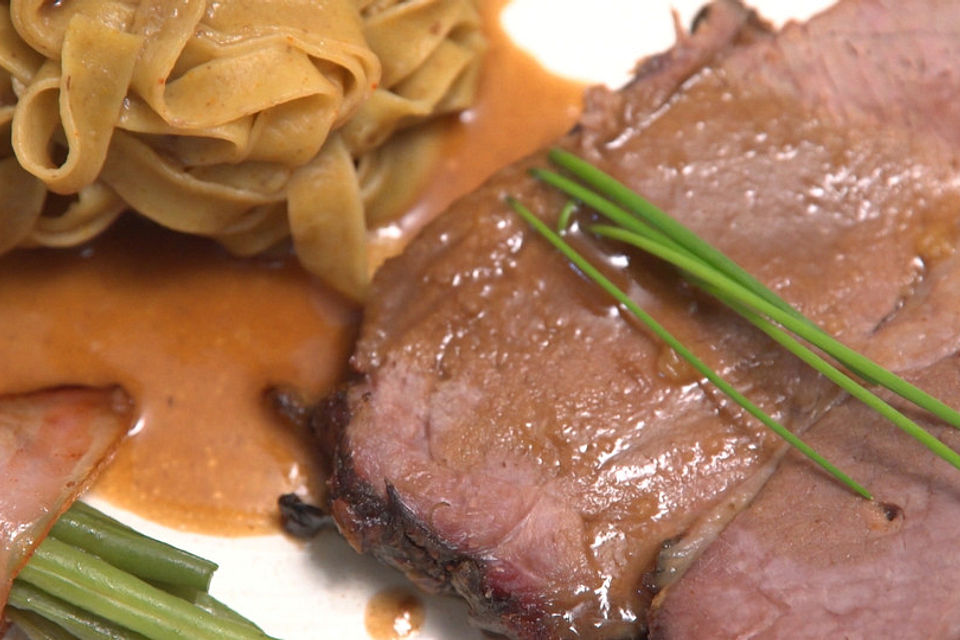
[394, 613]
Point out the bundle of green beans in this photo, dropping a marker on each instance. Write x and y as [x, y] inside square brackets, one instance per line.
[639, 223]
[94, 578]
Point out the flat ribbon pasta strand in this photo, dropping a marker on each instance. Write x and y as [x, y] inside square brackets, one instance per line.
[16, 57]
[190, 71]
[84, 93]
[435, 72]
[247, 121]
[392, 171]
[19, 207]
[392, 175]
[405, 33]
[440, 78]
[326, 219]
[43, 24]
[291, 133]
[167, 194]
[91, 211]
[329, 31]
[230, 142]
[21, 195]
[264, 227]
[432, 90]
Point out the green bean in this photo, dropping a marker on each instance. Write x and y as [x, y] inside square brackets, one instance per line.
[84, 527]
[42, 615]
[89, 582]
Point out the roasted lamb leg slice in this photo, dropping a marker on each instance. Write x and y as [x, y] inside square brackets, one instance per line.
[810, 560]
[510, 437]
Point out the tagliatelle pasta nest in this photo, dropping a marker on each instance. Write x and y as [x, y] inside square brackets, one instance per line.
[248, 121]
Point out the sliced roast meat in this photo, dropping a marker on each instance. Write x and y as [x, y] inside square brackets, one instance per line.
[52, 443]
[510, 437]
[809, 560]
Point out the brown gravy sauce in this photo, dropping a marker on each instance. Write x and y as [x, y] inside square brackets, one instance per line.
[197, 335]
[393, 614]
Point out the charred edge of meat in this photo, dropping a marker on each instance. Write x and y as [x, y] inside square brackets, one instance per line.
[289, 404]
[654, 581]
[326, 422]
[713, 26]
[702, 16]
[323, 423]
[303, 520]
[388, 530]
[323, 420]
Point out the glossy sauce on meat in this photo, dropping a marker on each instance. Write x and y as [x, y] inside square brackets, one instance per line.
[522, 438]
[809, 560]
[196, 335]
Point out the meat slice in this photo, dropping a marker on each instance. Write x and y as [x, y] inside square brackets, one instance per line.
[51, 444]
[808, 560]
[513, 439]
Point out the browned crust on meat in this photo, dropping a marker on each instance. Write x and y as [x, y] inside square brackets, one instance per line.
[382, 525]
[388, 530]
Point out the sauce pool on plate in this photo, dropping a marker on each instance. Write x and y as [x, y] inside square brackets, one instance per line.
[196, 335]
[393, 614]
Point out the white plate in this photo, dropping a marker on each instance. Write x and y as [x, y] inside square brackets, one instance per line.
[320, 589]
